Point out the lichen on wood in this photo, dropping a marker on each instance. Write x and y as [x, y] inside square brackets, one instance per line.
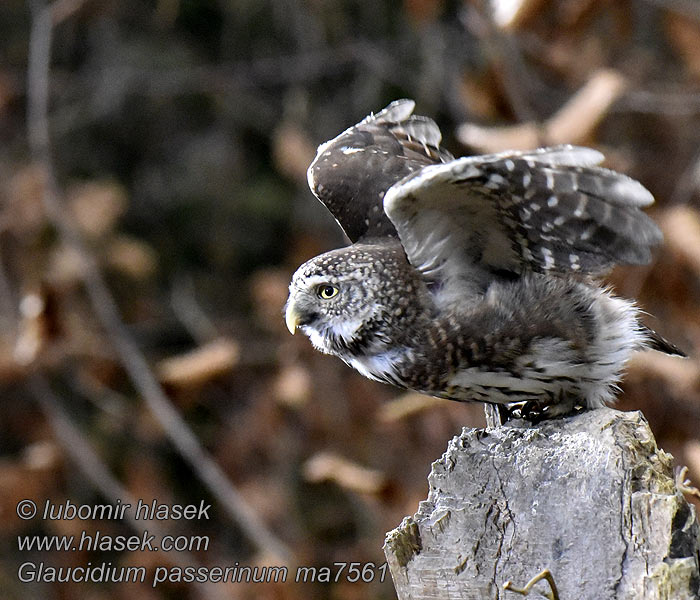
[589, 497]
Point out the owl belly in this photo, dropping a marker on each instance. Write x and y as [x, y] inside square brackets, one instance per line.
[467, 358]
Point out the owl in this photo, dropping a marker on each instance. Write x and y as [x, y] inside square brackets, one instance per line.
[477, 278]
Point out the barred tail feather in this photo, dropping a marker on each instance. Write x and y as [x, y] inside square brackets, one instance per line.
[661, 344]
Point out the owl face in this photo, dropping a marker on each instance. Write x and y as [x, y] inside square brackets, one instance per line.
[331, 297]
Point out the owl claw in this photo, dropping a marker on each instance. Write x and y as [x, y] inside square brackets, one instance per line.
[536, 411]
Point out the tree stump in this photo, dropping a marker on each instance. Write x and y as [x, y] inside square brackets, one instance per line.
[589, 497]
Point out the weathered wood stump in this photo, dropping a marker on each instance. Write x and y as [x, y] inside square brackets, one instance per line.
[589, 497]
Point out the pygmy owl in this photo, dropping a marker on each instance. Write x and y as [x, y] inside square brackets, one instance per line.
[474, 279]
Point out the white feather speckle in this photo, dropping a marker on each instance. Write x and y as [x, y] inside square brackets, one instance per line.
[350, 150]
[580, 209]
[588, 232]
[548, 258]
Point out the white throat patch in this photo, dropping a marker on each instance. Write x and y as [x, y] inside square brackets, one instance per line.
[345, 330]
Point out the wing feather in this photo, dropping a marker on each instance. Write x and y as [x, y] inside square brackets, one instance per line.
[352, 172]
[551, 209]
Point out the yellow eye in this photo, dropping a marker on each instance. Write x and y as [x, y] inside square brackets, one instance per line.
[326, 291]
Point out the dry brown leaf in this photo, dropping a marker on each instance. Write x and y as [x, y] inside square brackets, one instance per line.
[406, 405]
[683, 34]
[574, 11]
[125, 254]
[268, 495]
[32, 333]
[572, 124]
[96, 206]
[41, 456]
[31, 477]
[200, 365]
[511, 14]
[423, 11]
[681, 226]
[66, 266]
[574, 62]
[327, 466]
[497, 139]
[269, 289]
[10, 369]
[293, 386]
[145, 480]
[25, 211]
[479, 96]
[292, 151]
[575, 121]
[132, 257]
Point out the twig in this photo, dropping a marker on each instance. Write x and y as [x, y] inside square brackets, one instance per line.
[546, 574]
[105, 308]
[684, 484]
[83, 454]
[194, 319]
[504, 53]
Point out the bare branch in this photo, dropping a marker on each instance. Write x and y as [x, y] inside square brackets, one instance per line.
[504, 53]
[105, 308]
[525, 591]
[684, 483]
[84, 456]
[184, 303]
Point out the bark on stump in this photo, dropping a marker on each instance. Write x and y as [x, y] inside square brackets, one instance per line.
[589, 497]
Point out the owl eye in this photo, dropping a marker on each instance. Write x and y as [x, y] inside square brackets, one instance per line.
[326, 291]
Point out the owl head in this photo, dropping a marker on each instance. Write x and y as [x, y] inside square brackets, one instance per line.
[334, 297]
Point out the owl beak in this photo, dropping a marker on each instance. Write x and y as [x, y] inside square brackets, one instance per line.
[292, 317]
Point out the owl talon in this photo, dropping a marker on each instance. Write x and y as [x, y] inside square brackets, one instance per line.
[506, 413]
[537, 411]
[533, 411]
[500, 414]
[684, 484]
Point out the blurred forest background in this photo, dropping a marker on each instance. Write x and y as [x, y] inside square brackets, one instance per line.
[158, 207]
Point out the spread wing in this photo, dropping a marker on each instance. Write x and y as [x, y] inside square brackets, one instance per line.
[550, 209]
[352, 172]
